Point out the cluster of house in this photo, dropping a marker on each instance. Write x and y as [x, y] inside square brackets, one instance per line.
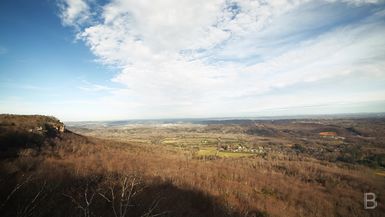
[240, 148]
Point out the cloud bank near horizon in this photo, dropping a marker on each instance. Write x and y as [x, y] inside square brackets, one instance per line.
[215, 58]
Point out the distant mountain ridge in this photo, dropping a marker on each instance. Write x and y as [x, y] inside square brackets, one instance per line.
[216, 120]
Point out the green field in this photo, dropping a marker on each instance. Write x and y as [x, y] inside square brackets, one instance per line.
[212, 151]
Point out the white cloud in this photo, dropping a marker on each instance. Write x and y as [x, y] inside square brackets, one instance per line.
[175, 54]
[74, 12]
[360, 2]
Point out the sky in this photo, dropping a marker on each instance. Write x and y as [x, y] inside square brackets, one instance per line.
[82, 60]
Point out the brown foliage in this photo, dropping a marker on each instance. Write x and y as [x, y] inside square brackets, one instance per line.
[95, 177]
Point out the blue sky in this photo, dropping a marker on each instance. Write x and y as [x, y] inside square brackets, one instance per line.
[122, 59]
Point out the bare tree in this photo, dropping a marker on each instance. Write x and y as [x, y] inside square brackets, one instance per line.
[84, 202]
[120, 199]
[14, 190]
[27, 209]
[150, 211]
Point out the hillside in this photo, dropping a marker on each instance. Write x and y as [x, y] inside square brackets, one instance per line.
[23, 131]
[47, 170]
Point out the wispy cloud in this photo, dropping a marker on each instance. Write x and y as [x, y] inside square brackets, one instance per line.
[90, 87]
[18, 86]
[74, 12]
[175, 54]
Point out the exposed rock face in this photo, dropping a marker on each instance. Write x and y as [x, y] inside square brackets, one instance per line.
[58, 127]
[61, 128]
[54, 128]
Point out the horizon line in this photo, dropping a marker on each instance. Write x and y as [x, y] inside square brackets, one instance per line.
[260, 117]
